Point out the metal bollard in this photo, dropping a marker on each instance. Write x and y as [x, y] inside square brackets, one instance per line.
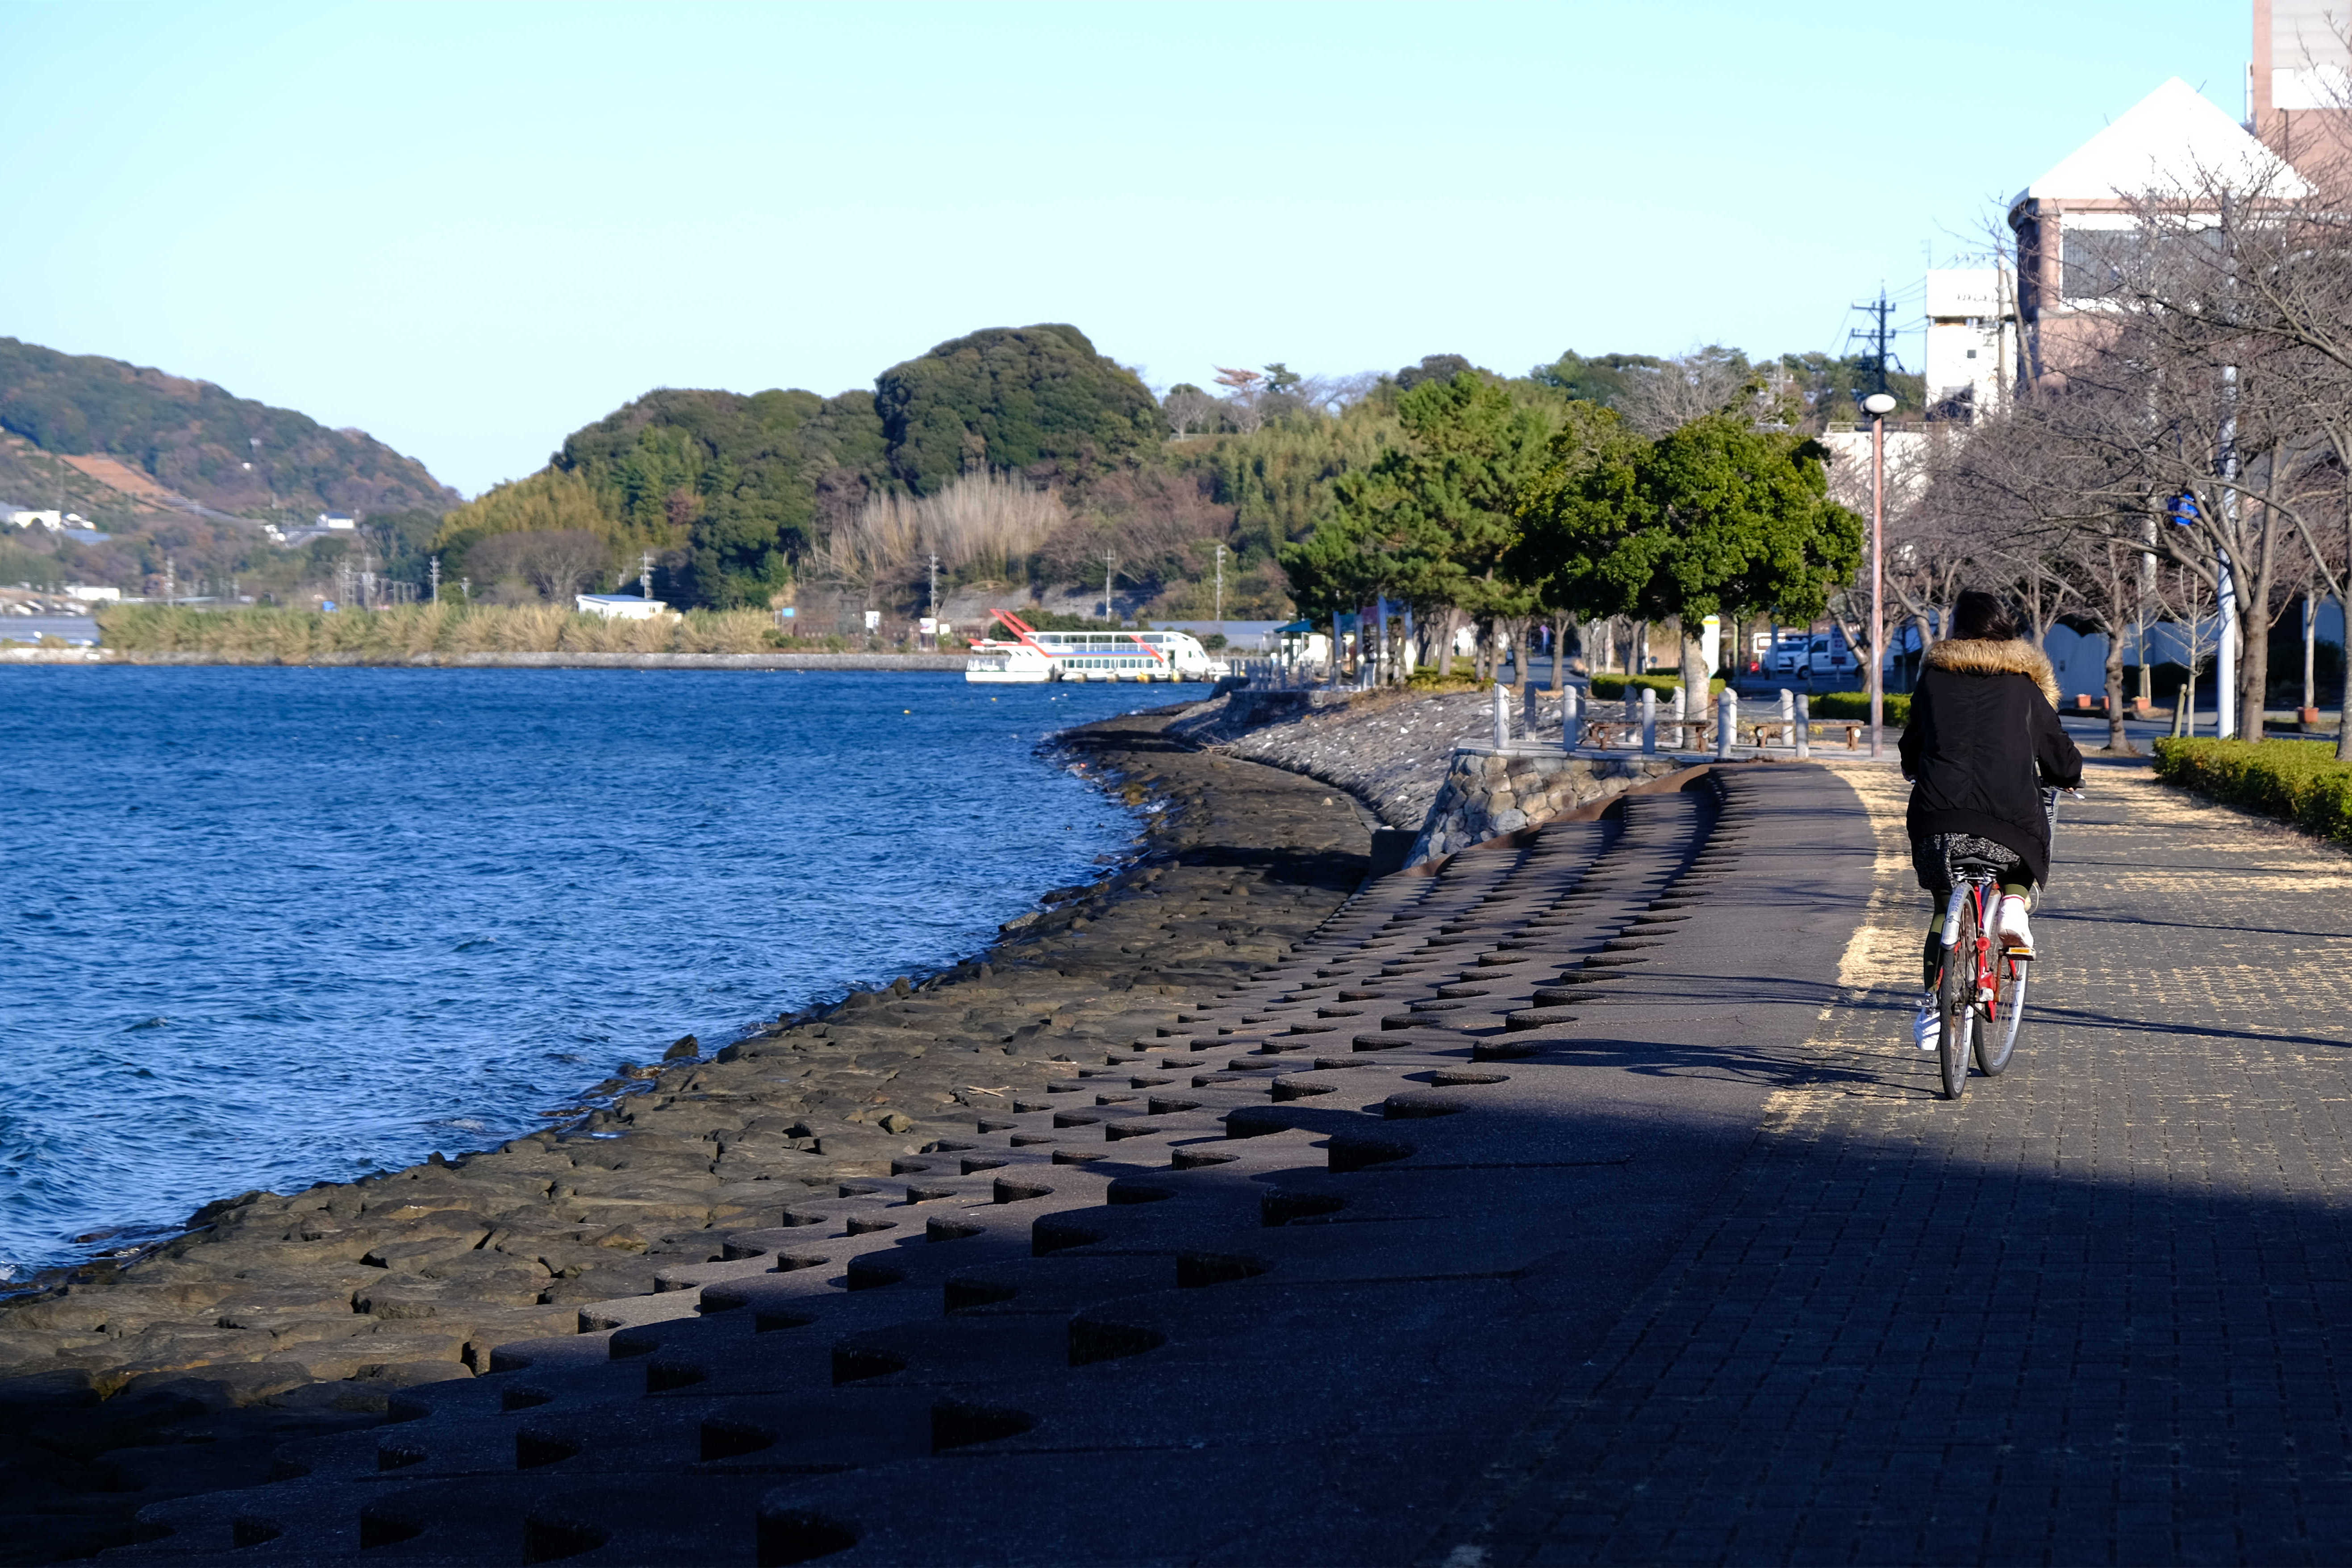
[1502, 718]
[1726, 723]
[1804, 725]
[1682, 713]
[1649, 722]
[1572, 722]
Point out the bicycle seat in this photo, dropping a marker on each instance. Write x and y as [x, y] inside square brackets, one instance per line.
[1978, 865]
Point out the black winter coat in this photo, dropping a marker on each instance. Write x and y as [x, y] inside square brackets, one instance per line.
[1984, 740]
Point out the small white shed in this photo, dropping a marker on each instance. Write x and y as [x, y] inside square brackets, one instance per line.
[619, 606]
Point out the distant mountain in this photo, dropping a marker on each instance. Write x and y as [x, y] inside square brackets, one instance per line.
[191, 439]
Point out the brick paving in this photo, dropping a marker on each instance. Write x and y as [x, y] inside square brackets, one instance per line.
[2098, 1311]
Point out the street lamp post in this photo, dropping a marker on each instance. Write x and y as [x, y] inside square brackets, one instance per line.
[1878, 406]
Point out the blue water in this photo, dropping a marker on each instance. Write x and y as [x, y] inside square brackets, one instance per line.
[267, 927]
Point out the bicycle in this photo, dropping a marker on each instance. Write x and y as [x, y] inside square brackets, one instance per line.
[1980, 993]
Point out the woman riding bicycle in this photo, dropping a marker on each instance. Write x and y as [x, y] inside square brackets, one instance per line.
[1983, 740]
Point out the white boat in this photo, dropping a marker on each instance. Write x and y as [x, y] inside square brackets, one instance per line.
[1030, 655]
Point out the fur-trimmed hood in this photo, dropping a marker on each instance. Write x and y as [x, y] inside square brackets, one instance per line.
[1977, 656]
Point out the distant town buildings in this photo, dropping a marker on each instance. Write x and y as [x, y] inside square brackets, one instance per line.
[54, 521]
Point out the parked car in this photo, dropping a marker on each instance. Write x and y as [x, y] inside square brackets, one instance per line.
[1788, 655]
[1829, 658]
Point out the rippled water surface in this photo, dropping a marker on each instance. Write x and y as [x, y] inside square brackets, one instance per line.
[266, 927]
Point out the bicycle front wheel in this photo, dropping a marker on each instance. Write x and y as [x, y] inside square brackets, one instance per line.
[1955, 997]
[1996, 1040]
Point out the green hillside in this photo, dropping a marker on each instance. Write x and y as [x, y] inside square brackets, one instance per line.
[199, 441]
[1035, 399]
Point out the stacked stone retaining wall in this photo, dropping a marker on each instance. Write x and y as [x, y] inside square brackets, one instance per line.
[1488, 793]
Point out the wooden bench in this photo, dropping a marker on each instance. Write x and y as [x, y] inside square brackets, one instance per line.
[1781, 732]
[1609, 734]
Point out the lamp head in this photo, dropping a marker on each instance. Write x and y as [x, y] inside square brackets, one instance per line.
[1878, 404]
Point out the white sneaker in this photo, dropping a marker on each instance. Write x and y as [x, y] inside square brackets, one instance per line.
[2016, 936]
[1928, 1028]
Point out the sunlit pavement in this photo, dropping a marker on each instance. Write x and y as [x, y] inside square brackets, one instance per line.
[2092, 1313]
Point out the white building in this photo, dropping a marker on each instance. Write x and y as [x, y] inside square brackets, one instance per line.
[619, 606]
[1971, 340]
[52, 520]
[334, 524]
[90, 594]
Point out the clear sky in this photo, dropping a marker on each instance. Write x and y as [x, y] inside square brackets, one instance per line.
[471, 229]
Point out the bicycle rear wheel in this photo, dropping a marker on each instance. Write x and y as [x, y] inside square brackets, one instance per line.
[1998, 1040]
[1955, 997]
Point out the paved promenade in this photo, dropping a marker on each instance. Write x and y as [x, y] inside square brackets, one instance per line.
[2095, 1312]
[1583, 1203]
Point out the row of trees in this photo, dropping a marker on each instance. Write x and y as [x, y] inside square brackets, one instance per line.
[740, 497]
[2187, 439]
[1504, 503]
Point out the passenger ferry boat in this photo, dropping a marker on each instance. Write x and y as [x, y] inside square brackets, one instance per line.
[1032, 656]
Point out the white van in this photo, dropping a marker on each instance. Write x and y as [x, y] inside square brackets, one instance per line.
[1828, 656]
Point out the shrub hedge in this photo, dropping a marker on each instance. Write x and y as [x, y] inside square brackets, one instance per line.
[2297, 781]
[1613, 687]
[1852, 705]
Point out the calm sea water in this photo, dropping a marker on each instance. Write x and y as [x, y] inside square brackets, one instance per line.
[266, 927]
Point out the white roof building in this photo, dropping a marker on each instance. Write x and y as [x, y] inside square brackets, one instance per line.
[619, 606]
[2175, 139]
[2077, 223]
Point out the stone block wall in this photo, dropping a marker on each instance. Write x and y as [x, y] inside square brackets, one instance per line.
[1487, 793]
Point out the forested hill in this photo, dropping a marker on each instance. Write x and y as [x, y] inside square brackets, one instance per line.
[731, 490]
[198, 441]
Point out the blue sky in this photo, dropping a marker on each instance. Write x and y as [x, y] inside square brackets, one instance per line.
[471, 229]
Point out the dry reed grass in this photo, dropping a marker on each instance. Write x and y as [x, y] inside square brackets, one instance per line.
[262, 635]
[983, 524]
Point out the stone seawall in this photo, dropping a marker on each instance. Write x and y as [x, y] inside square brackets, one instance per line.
[1487, 793]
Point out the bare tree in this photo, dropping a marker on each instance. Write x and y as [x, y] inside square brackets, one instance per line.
[556, 564]
[1188, 408]
[1666, 397]
[1331, 394]
[1243, 401]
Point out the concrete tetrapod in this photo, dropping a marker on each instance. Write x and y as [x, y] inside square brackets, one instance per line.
[1273, 1286]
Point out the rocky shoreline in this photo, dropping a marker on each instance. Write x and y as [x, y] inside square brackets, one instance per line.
[1388, 748]
[275, 1316]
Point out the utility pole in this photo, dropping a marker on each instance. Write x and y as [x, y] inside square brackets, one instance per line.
[1221, 589]
[432, 571]
[170, 581]
[1878, 336]
[1878, 406]
[645, 573]
[1110, 570]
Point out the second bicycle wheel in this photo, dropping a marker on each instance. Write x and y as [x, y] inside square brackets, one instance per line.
[1998, 1040]
[1955, 999]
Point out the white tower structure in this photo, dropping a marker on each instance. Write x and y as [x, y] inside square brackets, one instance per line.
[1971, 339]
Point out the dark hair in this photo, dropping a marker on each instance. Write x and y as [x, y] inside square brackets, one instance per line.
[1980, 616]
